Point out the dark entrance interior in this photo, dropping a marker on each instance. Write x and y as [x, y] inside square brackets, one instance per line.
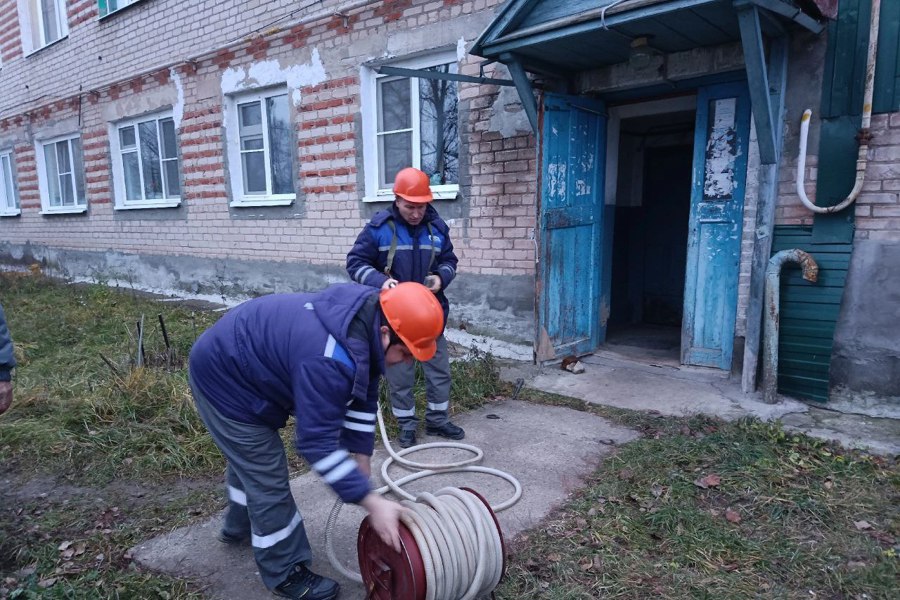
[653, 200]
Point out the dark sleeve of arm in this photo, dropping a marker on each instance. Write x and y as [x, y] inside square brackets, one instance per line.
[446, 260]
[7, 359]
[321, 391]
[362, 260]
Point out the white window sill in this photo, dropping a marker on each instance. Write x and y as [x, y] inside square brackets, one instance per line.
[53, 43]
[146, 205]
[69, 210]
[444, 192]
[262, 201]
[10, 212]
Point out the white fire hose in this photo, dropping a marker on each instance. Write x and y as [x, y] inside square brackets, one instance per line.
[455, 532]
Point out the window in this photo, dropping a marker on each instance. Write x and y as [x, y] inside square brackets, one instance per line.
[412, 122]
[60, 175]
[48, 22]
[9, 203]
[111, 6]
[145, 162]
[262, 150]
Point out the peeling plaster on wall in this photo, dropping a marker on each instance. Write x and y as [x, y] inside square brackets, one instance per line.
[508, 118]
[461, 50]
[270, 72]
[178, 106]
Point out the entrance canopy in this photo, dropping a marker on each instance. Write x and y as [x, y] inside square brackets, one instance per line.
[565, 37]
[580, 35]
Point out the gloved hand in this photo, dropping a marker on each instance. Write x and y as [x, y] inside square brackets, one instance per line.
[391, 282]
[433, 283]
[385, 518]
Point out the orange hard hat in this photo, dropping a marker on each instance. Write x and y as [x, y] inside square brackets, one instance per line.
[413, 185]
[416, 317]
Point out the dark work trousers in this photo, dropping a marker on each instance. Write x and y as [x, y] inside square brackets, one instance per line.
[260, 504]
[401, 378]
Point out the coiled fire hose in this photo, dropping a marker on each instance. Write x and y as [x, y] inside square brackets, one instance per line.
[455, 532]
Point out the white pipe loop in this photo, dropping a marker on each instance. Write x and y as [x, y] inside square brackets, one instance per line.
[864, 134]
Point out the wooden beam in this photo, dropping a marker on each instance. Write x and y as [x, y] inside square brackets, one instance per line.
[757, 79]
[523, 86]
[767, 198]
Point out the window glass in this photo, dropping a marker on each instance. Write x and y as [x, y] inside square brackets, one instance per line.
[416, 124]
[148, 162]
[266, 146]
[438, 126]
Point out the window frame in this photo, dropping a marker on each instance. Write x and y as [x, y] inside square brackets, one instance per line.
[239, 198]
[369, 81]
[120, 191]
[103, 5]
[34, 24]
[9, 207]
[43, 181]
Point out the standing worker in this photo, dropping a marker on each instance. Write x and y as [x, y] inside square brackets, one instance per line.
[7, 362]
[410, 242]
[318, 357]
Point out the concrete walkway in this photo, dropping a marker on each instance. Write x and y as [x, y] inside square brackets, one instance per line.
[623, 377]
[548, 449]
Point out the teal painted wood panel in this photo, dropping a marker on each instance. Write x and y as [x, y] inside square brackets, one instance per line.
[808, 314]
[573, 145]
[887, 68]
[714, 228]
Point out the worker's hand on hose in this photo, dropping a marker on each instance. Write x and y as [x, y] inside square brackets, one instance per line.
[389, 283]
[363, 463]
[384, 516]
[433, 283]
[5, 395]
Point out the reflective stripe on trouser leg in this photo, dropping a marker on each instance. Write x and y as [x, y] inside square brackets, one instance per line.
[400, 378]
[437, 385]
[256, 457]
[237, 520]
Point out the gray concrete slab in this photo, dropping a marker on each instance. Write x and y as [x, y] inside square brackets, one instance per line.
[647, 380]
[548, 449]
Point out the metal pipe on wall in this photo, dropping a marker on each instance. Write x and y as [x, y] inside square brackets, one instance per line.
[771, 325]
[864, 133]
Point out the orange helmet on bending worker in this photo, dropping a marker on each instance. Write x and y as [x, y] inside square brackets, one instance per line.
[415, 315]
[413, 185]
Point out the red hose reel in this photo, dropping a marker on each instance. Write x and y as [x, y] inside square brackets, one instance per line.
[388, 575]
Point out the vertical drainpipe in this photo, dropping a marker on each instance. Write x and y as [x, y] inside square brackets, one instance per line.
[770, 332]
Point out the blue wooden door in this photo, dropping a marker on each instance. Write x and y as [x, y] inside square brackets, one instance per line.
[714, 231]
[573, 148]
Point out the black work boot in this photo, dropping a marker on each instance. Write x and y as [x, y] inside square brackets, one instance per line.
[407, 438]
[447, 430]
[303, 584]
[233, 540]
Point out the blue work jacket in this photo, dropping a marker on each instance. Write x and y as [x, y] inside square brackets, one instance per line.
[292, 354]
[418, 253]
[7, 358]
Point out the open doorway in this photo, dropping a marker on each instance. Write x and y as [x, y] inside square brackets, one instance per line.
[650, 234]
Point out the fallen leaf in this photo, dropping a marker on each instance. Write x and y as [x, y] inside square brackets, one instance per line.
[732, 516]
[862, 525]
[829, 485]
[711, 480]
[65, 545]
[45, 583]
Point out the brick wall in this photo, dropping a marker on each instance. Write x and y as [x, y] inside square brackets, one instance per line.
[492, 237]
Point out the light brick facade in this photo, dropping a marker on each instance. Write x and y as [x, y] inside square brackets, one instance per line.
[493, 238]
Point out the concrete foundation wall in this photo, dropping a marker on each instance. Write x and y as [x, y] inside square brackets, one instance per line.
[866, 357]
[501, 307]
